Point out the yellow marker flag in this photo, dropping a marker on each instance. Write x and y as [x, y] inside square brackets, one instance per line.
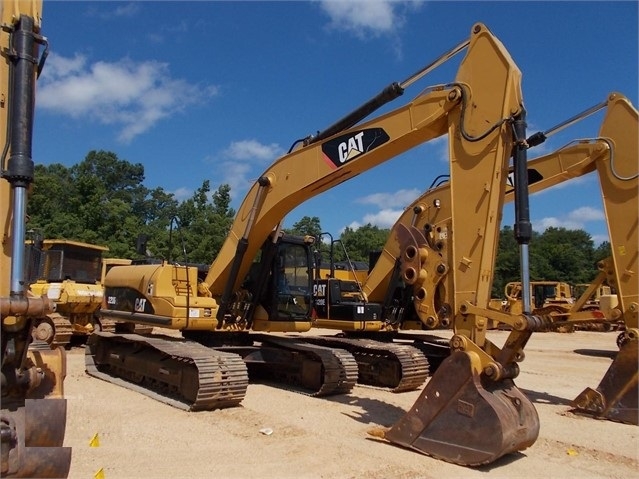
[95, 441]
[99, 474]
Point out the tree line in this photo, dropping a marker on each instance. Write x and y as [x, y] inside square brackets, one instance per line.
[102, 200]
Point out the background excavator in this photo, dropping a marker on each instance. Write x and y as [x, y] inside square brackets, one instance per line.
[482, 113]
[33, 416]
[422, 252]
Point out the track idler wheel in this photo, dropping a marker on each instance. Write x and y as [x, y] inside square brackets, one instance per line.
[616, 396]
[466, 419]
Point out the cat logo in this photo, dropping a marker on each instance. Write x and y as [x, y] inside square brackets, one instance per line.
[345, 148]
[350, 148]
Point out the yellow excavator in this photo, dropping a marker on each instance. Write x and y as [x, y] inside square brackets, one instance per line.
[556, 298]
[482, 113]
[457, 408]
[426, 230]
[33, 415]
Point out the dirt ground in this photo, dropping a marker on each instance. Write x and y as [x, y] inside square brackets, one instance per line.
[327, 438]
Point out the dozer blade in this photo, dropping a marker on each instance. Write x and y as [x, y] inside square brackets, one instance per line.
[616, 396]
[465, 420]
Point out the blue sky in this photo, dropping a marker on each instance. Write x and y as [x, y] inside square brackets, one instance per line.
[198, 90]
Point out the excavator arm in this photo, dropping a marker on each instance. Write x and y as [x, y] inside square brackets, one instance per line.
[616, 396]
[33, 416]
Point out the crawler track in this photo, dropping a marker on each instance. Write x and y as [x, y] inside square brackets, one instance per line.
[383, 364]
[320, 371]
[181, 373]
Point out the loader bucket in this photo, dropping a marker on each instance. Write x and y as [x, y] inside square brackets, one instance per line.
[464, 419]
[616, 396]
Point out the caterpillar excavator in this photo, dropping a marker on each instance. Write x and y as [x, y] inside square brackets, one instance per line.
[33, 415]
[241, 299]
[467, 395]
[424, 300]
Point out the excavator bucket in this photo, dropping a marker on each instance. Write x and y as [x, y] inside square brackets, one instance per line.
[462, 418]
[616, 396]
[35, 435]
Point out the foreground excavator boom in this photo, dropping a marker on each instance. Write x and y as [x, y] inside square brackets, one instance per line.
[33, 416]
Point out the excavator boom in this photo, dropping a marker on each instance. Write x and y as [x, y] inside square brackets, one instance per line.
[33, 415]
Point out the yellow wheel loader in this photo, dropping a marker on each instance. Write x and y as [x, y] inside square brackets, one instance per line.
[68, 273]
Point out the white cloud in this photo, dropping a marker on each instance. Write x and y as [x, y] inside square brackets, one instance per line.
[242, 161]
[128, 10]
[598, 239]
[385, 218]
[106, 12]
[574, 220]
[133, 96]
[398, 198]
[587, 213]
[252, 150]
[237, 176]
[367, 17]
[183, 193]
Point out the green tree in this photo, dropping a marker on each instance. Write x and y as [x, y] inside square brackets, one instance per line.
[306, 226]
[507, 262]
[360, 242]
[604, 250]
[569, 255]
[557, 254]
[100, 200]
[199, 227]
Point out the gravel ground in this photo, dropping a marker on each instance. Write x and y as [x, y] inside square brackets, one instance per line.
[327, 438]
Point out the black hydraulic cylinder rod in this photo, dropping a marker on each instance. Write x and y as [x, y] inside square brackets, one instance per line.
[388, 94]
[242, 246]
[20, 167]
[522, 227]
[392, 91]
[541, 136]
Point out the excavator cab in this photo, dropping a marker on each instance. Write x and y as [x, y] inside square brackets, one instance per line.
[291, 283]
[280, 279]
